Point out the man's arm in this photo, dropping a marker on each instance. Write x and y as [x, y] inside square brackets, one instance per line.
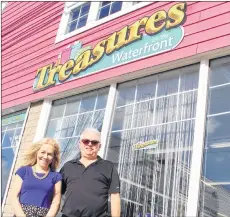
[63, 185]
[115, 205]
[114, 191]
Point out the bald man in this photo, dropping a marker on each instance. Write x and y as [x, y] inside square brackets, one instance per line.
[89, 181]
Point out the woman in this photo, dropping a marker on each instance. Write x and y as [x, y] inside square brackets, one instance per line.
[37, 187]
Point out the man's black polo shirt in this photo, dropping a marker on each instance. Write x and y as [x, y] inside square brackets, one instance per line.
[87, 189]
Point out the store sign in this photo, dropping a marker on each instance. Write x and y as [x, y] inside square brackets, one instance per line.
[145, 145]
[148, 36]
[13, 119]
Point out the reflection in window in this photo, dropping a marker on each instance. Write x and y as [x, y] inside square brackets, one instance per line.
[78, 17]
[70, 116]
[107, 8]
[162, 109]
[215, 183]
[11, 131]
[218, 94]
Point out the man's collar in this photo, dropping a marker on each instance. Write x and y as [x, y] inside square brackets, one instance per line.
[77, 159]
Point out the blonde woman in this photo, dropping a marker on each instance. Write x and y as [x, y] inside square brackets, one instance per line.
[37, 187]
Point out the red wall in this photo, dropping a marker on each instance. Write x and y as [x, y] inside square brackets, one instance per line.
[28, 42]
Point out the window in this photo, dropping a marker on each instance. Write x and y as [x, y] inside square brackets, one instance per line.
[78, 17]
[107, 8]
[70, 116]
[161, 108]
[11, 131]
[215, 183]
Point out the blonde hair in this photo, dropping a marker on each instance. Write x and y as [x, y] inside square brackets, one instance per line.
[30, 157]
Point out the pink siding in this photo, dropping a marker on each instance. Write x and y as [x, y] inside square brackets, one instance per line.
[28, 43]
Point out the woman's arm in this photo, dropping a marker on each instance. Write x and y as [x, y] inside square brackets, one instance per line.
[56, 200]
[17, 208]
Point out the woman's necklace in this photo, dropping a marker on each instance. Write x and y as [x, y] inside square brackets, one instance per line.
[39, 177]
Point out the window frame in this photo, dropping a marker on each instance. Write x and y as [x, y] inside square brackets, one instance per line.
[17, 148]
[79, 17]
[92, 20]
[110, 8]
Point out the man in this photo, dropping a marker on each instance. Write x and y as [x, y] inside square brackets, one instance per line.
[89, 180]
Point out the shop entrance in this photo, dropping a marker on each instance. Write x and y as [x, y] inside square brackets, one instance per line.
[151, 142]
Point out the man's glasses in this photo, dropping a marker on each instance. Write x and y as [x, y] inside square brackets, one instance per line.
[87, 141]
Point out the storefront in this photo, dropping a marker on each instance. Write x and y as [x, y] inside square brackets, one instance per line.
[154, 78]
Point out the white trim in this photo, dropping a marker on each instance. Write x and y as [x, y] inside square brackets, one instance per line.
[71, 5]
[220, 85]
[107, 119]
[93, 12]
[92, 21]
[134, 103]
[43, 120]
[154, 125]
[79, 113]
[217, 114]
[198, 143]
[14, 161]
[3, 5]
[217, 183]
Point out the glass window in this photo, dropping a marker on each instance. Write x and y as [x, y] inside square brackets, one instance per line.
[68, 126]
[215, 183]
[189, 78]
[70, 116]
[7, 160]
[11, 131]
[107, 8]
[54, 128]
[8, 138]
[72, 106]
[101, 100]
[57, 109]
[122, 118]
[220, 71]
[146, 88]
[166, 109]
[167, 86]
[218, 102]
[78, 17]
[67, 147]
[143, 114]
[98, 119]
[126, 93]
[84, 121]
[87, 104]
[151, 142]
[187, 105]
